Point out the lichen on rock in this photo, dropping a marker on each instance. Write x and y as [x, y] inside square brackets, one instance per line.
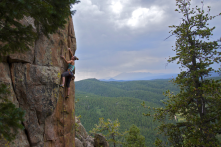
[34, 79]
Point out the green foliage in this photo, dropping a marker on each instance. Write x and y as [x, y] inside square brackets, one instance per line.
[126, 108]
[198, 101]
[48, 16]
[134, 139]
[144, 90]
[112, 129]
[10, 116]
[76, 124]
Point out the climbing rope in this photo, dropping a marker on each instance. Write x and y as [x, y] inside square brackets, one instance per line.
[63, 114]
[62, 91]
[63, 97]
[61, 94]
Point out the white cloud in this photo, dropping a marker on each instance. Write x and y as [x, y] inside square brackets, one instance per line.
[138, 17]
[142, 17]
[115, 36]
[88, 8]
[116, 7]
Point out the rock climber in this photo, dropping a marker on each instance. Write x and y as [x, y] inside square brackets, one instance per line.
[69, 73]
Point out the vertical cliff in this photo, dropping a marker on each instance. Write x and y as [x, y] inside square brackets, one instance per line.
[34, 78]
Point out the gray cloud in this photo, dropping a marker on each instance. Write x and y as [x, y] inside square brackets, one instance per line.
[116, 36]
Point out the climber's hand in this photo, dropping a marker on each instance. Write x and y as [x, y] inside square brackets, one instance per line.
[62, 57]
[70, 51]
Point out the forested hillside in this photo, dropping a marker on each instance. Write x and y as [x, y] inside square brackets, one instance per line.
[122, 101]
[127, 110]
[151, 91]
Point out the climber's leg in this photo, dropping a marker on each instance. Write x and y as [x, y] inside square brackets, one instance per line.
[63, 75]
[63, 80]
[68, 85]
[68, 92]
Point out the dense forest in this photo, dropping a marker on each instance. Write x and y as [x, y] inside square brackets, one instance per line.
[122, 101]
[151, 91]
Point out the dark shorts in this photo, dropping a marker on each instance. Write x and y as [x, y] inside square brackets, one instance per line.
[68, 76]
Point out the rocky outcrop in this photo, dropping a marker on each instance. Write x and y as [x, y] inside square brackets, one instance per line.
[78, 143]
[33, 78]
[100, 141]
[84, 140]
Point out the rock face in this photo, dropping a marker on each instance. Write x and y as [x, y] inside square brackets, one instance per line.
[33, 78]
[84, 140]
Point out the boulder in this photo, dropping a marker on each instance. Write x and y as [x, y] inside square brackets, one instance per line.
[100, 141]
[78, 143]
[82, 135]
[85, 139]
[89, 142]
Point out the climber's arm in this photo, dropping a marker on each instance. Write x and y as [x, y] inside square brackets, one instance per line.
[70, 52]
[66, 60]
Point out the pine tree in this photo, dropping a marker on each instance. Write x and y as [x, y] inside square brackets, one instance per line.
[48, 16]
[111, 128]
[10, 116]
[134, 139]
[199, 101]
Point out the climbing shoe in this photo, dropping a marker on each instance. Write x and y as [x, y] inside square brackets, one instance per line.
[67, 97]
[62, 86]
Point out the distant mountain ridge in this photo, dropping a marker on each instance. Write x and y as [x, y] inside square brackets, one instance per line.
[142, 90]
[135, 76]
[111, 79]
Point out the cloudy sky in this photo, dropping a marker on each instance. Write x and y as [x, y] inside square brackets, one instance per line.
[124, 36]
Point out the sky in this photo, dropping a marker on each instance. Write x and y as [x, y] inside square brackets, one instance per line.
[128, 36]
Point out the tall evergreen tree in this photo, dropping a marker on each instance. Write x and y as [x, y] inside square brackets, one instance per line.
[199, 100]
[134, 139]
[111, 128]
